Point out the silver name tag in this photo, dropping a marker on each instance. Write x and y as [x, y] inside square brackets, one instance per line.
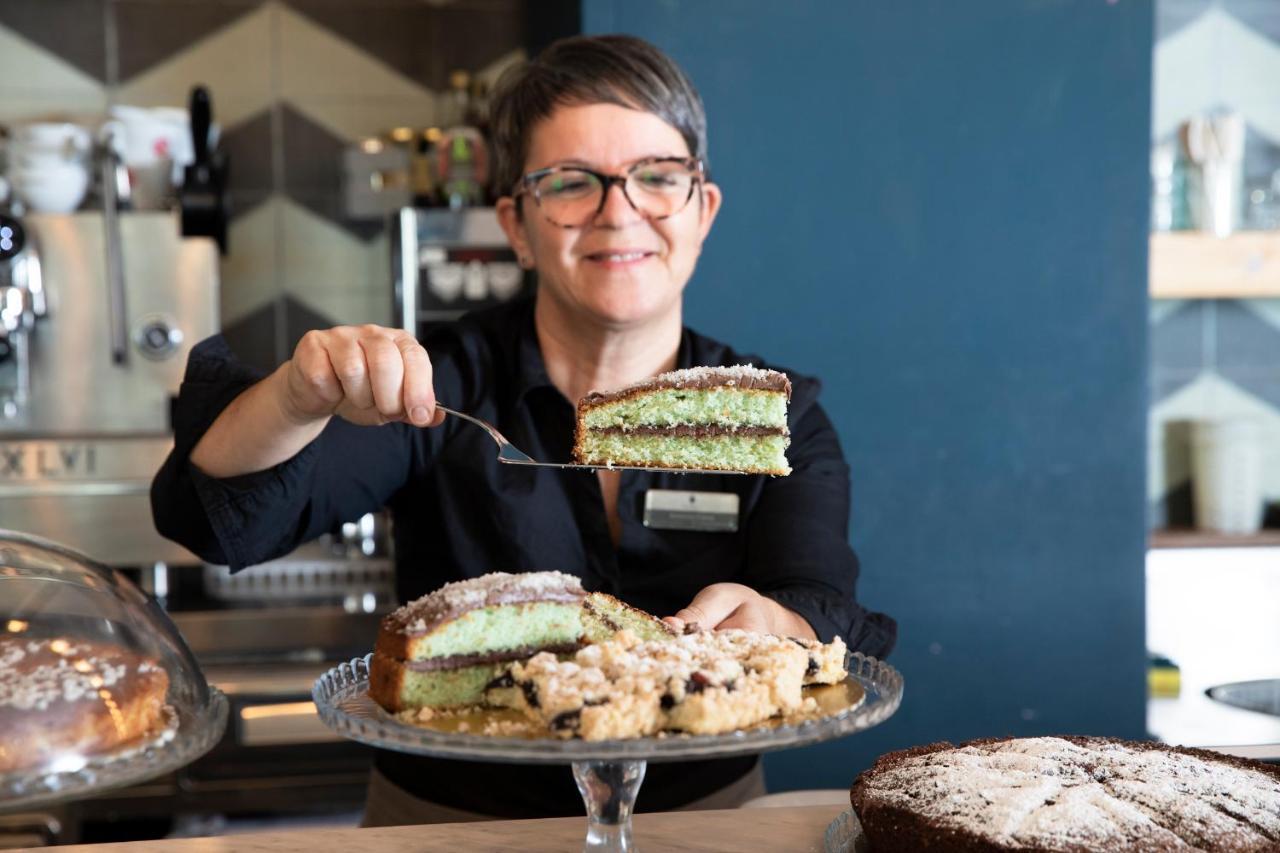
[668, 509]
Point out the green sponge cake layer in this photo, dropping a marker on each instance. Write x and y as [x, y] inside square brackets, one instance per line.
[726, 407]
[503, 627]
[755, 454]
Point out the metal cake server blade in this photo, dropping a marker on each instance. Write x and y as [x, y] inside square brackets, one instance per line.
[509, 454]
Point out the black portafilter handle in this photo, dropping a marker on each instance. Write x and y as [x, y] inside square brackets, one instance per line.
[204, 187]
[201, 120]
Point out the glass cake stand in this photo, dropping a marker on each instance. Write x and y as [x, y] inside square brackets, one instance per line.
[609, 773]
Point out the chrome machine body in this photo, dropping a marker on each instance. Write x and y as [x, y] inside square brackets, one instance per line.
[100, 310]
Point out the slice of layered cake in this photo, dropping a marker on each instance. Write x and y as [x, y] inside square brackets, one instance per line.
[441, 650]
[708, 418]
[603, 616]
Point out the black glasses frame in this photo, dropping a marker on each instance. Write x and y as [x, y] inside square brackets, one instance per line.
[526, 186]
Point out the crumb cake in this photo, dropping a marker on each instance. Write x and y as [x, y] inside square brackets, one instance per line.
[62, 696]
[442, 649]
[1067, 794]
[702, 682]
[710, 418]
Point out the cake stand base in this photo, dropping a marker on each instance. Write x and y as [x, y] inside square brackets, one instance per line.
[609, 790]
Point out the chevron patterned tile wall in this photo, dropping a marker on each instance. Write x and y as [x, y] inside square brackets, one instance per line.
[1214, 359]
[293, 83]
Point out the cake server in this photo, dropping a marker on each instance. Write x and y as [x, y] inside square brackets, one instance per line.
[512, 455]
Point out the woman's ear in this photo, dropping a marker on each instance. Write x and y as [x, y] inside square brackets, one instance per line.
[710, 206]
[513, 225]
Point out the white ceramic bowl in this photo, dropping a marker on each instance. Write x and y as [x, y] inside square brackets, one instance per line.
[52, 189]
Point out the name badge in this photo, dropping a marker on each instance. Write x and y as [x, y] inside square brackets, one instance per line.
[669, 509]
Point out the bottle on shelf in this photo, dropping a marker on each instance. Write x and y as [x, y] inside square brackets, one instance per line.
[424, 181]
[463, 159]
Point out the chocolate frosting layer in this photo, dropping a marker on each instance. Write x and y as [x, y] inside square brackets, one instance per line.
[453, 600]
[693, 430]
[743, 376]
[501, 656]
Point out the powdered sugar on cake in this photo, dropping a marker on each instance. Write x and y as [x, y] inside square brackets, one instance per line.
[1055, 794]
[67, 676]
[495, 588]
[745, 376]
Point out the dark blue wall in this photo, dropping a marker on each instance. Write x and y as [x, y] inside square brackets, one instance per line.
[940, 209]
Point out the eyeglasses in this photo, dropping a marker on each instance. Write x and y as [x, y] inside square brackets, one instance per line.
[572, 196]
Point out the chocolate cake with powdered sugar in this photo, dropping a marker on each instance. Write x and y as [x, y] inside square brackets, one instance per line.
[708, 418]
[74, 697]
[1067, 794]
[442, 649]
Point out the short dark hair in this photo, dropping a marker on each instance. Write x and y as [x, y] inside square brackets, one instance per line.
[610, 69]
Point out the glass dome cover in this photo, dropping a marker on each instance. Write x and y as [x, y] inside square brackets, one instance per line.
[97, 687]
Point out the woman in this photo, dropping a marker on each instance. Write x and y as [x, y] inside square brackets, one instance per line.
[601, 143]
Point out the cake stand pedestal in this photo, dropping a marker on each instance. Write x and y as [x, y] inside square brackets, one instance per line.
[608, 773]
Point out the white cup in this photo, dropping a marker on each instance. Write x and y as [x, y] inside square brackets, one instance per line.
[152, 135]
[51, 189]
[1226, 460]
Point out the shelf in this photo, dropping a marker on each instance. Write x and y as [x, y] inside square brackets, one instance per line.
[1190, 538]
[1191, 265]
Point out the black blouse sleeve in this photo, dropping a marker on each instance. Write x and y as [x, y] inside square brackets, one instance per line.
[241, 521]
[799, 552]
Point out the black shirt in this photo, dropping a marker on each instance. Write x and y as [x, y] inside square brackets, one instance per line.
[458, 513]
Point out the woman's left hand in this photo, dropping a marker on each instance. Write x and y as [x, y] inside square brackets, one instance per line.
[732, 605]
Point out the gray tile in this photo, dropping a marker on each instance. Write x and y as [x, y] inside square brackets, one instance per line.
[1177, 339]
[1244, 340]
[313, 171]
[73, 30]
[472, 35]
[252, 176]
[1165, 382]
[298, 320]
[1173, 15]
[424, 41]
[253, 337]
[150, 31]
[1260, 15]
[312, 155]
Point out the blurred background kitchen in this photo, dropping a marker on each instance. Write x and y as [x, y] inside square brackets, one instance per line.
[1032, 249]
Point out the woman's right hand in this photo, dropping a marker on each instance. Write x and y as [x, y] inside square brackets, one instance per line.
[368, 375]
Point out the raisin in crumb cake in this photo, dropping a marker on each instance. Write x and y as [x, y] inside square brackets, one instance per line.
[1067, 794]
[703, 682]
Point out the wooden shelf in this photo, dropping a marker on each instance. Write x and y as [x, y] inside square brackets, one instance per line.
[1191, 265]
[1189, 538]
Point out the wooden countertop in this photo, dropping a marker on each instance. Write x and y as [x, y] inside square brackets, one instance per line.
[764, 829]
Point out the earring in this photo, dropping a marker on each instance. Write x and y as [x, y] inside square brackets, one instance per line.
[525, 262]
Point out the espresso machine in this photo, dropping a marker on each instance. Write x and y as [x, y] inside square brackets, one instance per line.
[98, 311]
